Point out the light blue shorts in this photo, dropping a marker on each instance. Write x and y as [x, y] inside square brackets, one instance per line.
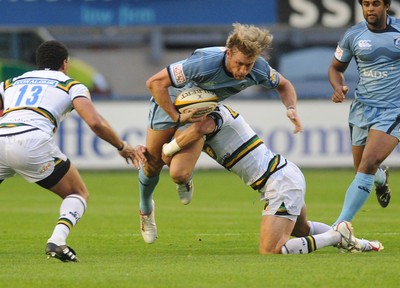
[158, 118]
[362, 118]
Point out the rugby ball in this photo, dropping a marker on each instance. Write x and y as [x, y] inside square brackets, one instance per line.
[196, 98]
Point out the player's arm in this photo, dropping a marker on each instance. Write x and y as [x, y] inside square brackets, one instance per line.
[87, 111]
[289, 99]
[336, 78]
[190, 135]
[158, 85]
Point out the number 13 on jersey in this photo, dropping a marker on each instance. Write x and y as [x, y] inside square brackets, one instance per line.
[29, 95]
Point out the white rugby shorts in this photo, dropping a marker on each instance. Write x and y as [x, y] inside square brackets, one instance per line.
[284, 192]
[30, 154]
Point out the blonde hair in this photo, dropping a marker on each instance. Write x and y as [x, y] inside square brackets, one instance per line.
[249, 39]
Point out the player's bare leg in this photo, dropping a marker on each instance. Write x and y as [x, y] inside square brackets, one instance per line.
[378, 148]
[150, 172]
[148, 179]
[274, 233]
[302, 227]
[75, 196]
[181, 170]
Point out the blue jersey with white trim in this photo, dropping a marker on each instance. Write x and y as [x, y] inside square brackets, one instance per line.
[377, 55]
[206, 69]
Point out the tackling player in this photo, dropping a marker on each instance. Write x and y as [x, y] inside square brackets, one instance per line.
[229, 140]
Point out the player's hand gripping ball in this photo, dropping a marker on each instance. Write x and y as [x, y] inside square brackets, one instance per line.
[196, 98]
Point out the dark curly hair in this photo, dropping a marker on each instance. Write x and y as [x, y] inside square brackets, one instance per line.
[386, 2]
[51, 55]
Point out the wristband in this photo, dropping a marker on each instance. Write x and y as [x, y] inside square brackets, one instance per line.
[123, 146]
[171, 148]
[291, 107]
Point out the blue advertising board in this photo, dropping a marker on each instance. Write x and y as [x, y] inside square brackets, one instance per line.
[135, 12]
[125, 13]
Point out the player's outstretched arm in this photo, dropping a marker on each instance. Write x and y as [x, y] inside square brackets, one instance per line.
[291, 113]
[190, 135]
[289, 99]
[139, 153]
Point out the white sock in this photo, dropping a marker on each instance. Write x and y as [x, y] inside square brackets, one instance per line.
[380, 177]
[71, 210]
[308, 244]
[318, 227]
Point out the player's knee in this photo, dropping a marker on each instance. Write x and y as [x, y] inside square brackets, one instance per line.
[270, 249]
[269, 246]
[181, 176]
[82, 192]
[85, 195]
[301, 230]
[369, 164]
[200, 129]
[152, 168]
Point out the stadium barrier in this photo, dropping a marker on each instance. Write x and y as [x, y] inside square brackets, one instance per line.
[324, 143]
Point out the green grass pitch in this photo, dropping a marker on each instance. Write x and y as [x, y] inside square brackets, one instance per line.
[213, 242]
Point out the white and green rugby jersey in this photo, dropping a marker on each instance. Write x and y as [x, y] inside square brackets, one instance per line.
[236, 146]
[38, 99]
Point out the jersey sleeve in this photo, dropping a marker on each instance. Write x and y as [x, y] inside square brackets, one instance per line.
[177, 75]
[268, 76]
[79, 90]
[227, 114]
[263, 74]
[197, 68]
[221, 117]
[273, 78]
[343, 52]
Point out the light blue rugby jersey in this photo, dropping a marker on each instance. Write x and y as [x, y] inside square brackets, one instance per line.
[205, 68]
[377, 55]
